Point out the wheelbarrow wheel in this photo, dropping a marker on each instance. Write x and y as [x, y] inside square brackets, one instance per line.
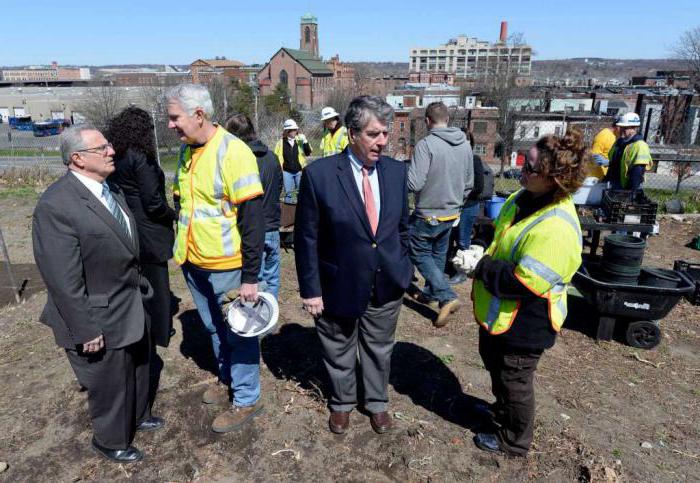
[643, 334]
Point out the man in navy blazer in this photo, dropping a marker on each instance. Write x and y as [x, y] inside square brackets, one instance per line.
[351, 240]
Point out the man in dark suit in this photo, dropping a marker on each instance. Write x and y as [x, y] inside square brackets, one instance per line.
[351, 243]
[86, 248]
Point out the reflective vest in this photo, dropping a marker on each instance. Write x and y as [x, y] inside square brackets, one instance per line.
[602, 142]
[211, 186]
[334, 143]
[546, 250]
[280, 153]
[634, 153]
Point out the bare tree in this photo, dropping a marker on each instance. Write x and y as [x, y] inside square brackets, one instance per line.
[102, 103]
[687, 48]
[153, 101]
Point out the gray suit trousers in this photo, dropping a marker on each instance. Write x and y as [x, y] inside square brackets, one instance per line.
[372, 337]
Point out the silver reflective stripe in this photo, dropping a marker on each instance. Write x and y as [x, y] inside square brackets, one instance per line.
[220, 155]
[340, 139]
[246, 181]
[540, 269]
[184, 219]
[226, 238]
[207, 212]
[555, 212]
[494, 310]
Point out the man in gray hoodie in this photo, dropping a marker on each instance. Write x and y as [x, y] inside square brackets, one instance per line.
[441, 174]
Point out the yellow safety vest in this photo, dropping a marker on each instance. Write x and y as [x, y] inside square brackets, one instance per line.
[210, 188]
[334, 143]
[280, 155]
[634, 153]
[602, 142]
[546, 250]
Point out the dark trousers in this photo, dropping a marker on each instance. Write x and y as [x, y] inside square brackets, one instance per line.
[117, 385]
[512, 374]
[159, 307]
[372, 337]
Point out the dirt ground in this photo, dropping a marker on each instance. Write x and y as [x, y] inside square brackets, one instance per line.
[605, 411]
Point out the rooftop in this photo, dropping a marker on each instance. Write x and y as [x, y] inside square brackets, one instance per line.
[313, 64]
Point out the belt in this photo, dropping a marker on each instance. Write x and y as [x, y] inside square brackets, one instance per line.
[436, 220]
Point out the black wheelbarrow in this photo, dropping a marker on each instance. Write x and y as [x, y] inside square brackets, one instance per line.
[639, 307]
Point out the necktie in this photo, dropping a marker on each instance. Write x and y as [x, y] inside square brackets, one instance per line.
[113, 208]
[370, 207]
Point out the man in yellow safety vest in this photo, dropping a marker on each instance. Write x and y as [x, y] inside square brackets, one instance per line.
[630, 156]
[220, 236]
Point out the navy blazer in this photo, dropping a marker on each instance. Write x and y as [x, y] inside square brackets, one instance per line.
[337, 256]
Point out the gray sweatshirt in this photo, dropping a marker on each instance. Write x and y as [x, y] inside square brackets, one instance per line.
[441, 172]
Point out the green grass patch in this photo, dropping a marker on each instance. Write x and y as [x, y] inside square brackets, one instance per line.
[22, 192]
[168, 162]
[23, 153]
[689, 198]
[447, 359]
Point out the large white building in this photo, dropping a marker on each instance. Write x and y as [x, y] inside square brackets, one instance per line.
[470, 58]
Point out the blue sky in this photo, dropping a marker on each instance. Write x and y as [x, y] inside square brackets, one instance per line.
[178, 32]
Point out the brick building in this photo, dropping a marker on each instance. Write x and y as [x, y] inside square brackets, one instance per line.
[308, 77]
[45, 74]
[204, 70]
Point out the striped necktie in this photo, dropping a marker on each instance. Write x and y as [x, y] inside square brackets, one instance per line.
[113, 208]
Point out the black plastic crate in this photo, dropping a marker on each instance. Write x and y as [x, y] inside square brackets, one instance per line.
[619, 203]
[692, 271]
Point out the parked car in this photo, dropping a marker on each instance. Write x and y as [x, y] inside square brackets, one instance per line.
[512, 173]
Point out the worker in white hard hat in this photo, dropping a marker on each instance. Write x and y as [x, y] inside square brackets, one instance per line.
[629, 156]
[335, 135]
[291, 150]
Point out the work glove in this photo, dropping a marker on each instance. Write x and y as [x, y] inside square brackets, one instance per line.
[302, 139]
[466, 260]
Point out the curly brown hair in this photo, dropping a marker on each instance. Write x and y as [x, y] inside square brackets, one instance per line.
[564, 159]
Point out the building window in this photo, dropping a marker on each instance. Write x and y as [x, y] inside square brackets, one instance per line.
[557, 131]
[307, 35]
[284, 77]
[522, 132]
[402, 125]
[480, 149]
[537, 132]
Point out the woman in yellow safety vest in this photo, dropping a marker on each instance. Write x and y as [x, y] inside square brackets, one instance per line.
[335, 135]
[519, 290]
[291, 150]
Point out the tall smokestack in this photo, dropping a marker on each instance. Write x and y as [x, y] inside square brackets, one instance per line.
[504, 32]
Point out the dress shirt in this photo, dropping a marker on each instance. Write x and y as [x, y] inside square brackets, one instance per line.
[95, 188]
[373, 180]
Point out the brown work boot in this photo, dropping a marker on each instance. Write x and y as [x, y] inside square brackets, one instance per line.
[235, 417]
[216, 394]
[446, 310]
[339, 421]
[380, 422]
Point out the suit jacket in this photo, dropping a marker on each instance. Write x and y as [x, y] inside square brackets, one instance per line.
[143, 184]
[337, 256]
[90, 267]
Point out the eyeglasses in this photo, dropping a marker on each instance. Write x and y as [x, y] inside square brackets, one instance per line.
[527, 166]
[103, 149]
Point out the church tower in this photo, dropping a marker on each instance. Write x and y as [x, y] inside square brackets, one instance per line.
[308, 40]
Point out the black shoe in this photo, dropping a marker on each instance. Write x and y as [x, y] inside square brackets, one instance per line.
[128, 455]
[457, 279]
[487, 442]
[151, 424]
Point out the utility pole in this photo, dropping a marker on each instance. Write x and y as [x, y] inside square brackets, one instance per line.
[155, 135]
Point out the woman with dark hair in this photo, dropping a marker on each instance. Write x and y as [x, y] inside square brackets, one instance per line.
[520, 283]
[142, 180]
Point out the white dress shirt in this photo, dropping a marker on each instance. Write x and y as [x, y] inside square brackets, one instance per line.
[373, 180]
[95, 188]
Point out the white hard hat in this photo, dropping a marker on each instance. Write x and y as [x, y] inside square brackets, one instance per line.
[328, 113]
[253, 320]
[630, 119]
[290, 124]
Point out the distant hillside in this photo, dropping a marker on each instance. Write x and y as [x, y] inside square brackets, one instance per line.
[600, 69]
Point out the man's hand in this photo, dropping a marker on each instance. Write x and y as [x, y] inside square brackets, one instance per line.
[249, 292]
[95, 345]
[313, 306]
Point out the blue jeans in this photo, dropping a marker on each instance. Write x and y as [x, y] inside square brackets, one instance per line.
[428, 252]
[466, 224]
[270, 268]
[291, 185]
[238, 357]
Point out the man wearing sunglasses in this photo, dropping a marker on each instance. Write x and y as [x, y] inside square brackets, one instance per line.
[86, 248]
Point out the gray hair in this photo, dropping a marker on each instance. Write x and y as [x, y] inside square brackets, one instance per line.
[361, 110]
[72, 140]
[191, 97]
